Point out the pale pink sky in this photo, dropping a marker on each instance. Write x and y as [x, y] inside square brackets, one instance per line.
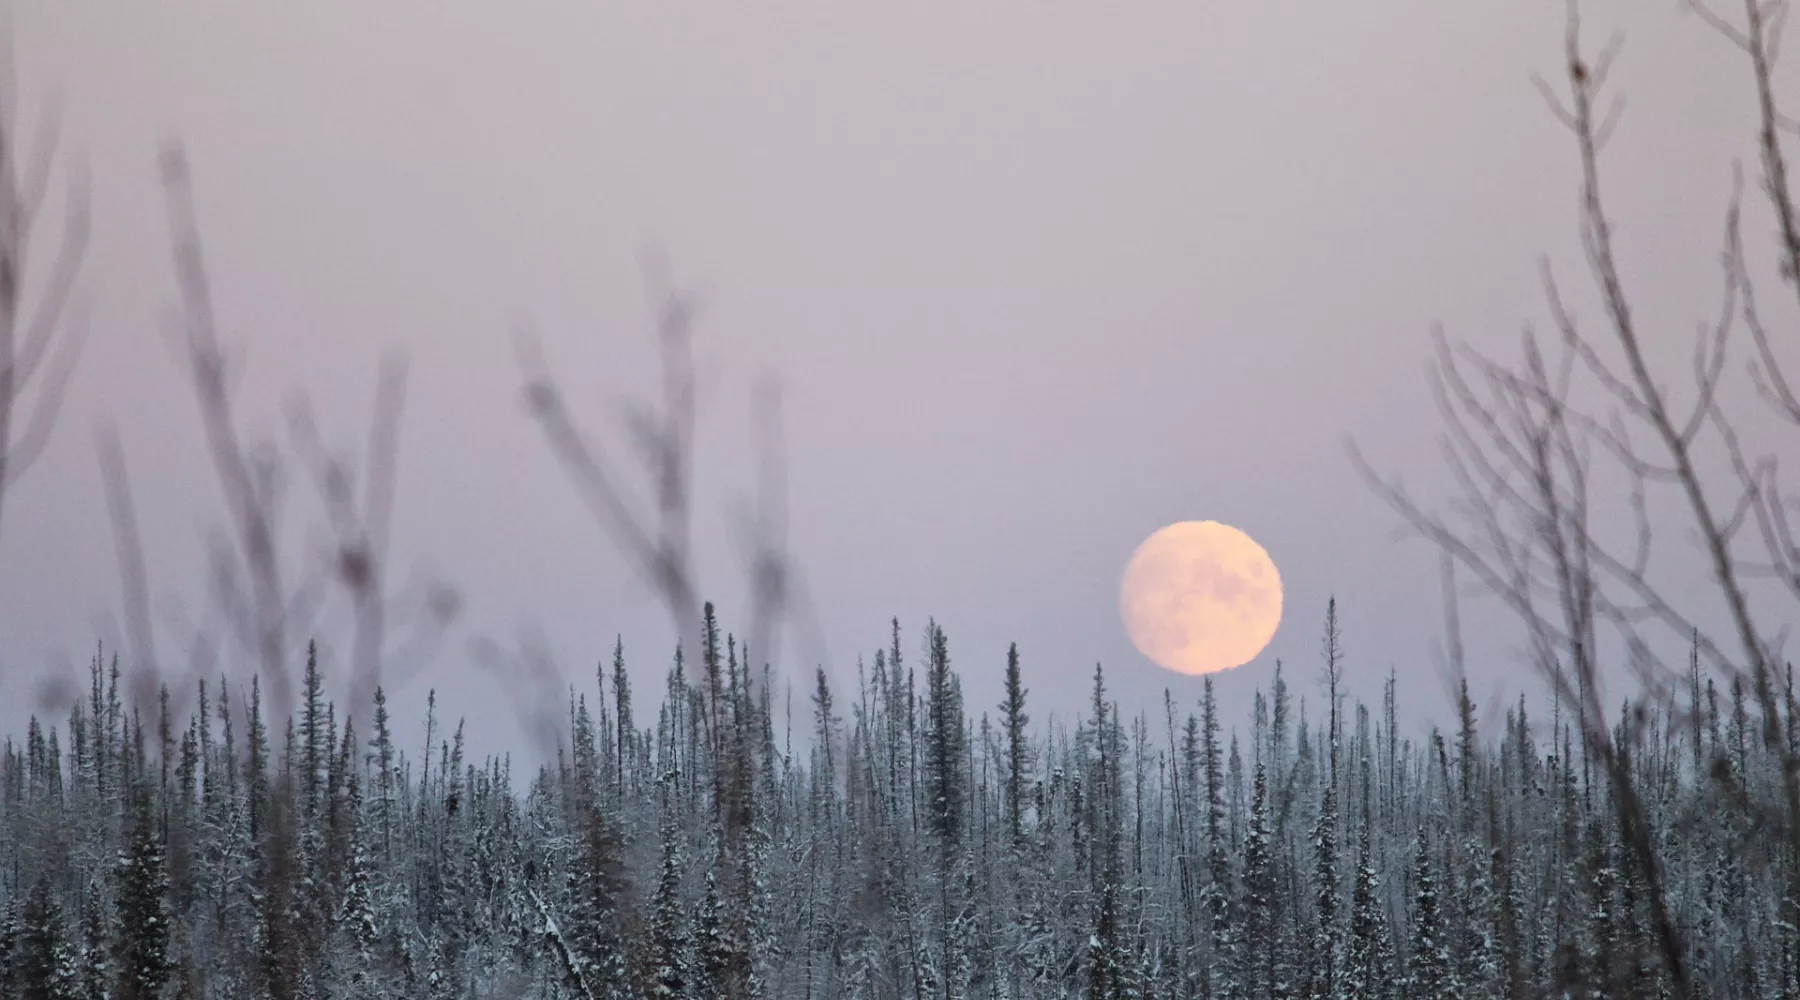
[1038, 278]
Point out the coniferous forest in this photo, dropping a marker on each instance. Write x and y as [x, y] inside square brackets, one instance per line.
[893, 842]
[878, 836]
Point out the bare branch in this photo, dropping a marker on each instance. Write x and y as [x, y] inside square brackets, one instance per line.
[358, 521]
[1517, 451]
[769, 588]
[660, 550]
[1718, 23]
[33, 330]
[51, 387]
[128, 548]
[592, 477]
[266, 601]
[247, 477]
[41, 329]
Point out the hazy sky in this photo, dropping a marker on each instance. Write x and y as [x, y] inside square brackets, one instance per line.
[1037, 279]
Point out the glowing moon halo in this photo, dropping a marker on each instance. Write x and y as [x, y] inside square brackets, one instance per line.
[1199, 597]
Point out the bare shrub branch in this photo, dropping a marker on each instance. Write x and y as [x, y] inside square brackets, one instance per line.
[1521, 452]
[652, 524]
[39, 345]
[268, 600]
[128, 549]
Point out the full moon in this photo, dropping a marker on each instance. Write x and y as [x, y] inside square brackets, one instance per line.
[1199, 597]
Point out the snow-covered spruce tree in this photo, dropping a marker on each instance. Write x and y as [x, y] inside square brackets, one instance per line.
[1510, 915]
[42, 963]
[454, 927]
[143, 945]
[1014, 721]
[622, 717]
[11, 937]
[1260, 928]
[1430, 974]
[355, 935]
[1368, 974]
[1223, 975]
[1327, 938]
[281, 961]
[671, 949]
[712, 945]
[943, 766]
[95, 972]
[945, 789]
[595, 879]
[1110, 972]
[1475, 949]
[1607, 959]
[384, 808]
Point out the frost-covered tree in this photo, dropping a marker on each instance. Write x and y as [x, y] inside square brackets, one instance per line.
[143, 927]
[42, 962]
[1429, 972]
[821, 862]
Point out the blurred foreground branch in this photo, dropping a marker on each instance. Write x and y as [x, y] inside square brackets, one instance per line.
[269, 601]
[1529, 445]
[652, 525]
[39, 345]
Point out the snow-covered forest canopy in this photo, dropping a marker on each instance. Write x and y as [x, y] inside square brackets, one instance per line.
[893, 842]
[251, 835]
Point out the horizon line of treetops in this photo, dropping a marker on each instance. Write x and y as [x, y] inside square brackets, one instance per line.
[911, 852]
